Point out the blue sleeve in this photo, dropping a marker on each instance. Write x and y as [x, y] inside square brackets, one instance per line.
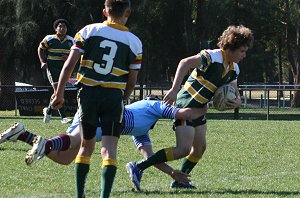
[163, 110]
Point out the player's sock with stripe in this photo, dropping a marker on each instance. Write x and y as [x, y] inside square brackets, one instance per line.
[109, 169]
[160, 156]
[82, 168]
[189, 163]
[27, 137]
[57, 143]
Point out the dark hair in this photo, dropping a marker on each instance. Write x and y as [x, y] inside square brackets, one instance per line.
[116, 8]
[56, 22]
[236, 36]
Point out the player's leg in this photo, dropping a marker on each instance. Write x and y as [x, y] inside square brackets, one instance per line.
[197, 151]
[42, 146]
[67, 156]
[83, 158]
[112, 114]
[47, 111]
[89, 119]
[109, 163]
[184, 141]
[17, 132]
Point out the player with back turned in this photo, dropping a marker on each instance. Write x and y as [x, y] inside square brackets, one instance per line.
[106, 76]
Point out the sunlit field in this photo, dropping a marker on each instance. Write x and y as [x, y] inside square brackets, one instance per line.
[244, 158]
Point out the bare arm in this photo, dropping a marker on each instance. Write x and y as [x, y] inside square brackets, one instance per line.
[183, 67]
[146, 151]
[132, 77]
[64, 77]
[190, 113]
[42, 56]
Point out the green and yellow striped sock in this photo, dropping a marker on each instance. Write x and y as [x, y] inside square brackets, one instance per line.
[82, 167]
[109, 169]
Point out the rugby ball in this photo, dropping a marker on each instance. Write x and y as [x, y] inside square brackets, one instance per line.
[223, 93]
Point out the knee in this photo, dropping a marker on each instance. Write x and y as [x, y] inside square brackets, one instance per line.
[199, 151]
[185, 150]
[88, 149]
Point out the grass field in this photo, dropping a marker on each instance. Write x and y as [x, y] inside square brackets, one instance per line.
[244, 158]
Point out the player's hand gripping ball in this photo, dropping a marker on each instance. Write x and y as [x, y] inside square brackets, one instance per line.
[222, 95]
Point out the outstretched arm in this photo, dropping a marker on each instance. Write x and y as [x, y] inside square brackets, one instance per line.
[183, 67]
[190, 113]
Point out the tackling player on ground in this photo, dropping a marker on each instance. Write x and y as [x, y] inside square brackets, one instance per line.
[139, 118]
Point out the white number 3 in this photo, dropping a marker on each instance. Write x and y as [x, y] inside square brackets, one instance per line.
[109, 58]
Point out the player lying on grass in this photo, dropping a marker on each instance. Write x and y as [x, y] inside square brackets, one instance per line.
[139, 118]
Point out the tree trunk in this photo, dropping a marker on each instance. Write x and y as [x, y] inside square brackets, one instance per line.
[292, 42]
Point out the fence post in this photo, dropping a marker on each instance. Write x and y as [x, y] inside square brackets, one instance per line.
[283, 100]
[16, 106]
[236, 115]
[142, 91]
[245, 99]
[278, 99]
[268, 104]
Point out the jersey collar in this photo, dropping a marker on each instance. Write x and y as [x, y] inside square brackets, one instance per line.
[116, 25]
[56, 36]
[227, 67]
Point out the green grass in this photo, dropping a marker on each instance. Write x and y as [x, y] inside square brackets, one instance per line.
[244, 158]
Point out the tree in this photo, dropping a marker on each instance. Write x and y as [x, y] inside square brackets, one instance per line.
[292, 14]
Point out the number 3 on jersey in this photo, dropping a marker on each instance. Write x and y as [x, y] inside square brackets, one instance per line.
[109, 58]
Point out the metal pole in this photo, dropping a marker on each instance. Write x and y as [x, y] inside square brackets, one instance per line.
[268, 104]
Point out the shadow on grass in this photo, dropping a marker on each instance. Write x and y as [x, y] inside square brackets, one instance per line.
[14, 149]
[22, 117]
[177, 192]
[225, 191]
[253, 116]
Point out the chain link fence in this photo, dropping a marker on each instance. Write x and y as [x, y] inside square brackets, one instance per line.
[264, 102]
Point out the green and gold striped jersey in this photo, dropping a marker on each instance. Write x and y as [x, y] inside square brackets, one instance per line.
[109, 52]
[205, 79]
[56, 50]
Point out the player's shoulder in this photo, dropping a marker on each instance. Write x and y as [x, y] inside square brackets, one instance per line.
[50, 37]
[133, 37]
[90, 28]
[70, 38]
[214, 54]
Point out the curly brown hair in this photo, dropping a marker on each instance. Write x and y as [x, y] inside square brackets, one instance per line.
[235, 37]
